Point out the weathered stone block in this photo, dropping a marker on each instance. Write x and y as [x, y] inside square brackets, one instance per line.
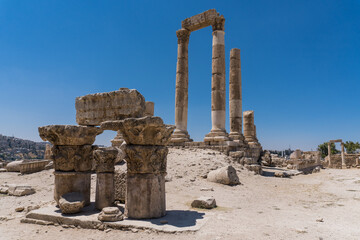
[120, 184]
[71, 203]
[226, 175]
[69, 134]
[73, 158]
[95, 108]
[146, 159]
[204, 202]
[110, 214]
[199, 21]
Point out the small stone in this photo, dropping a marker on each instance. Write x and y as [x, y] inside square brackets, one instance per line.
[72, 202]
[19, 209]
[108, 230]
[2, 170]
[320, 220]
[134, 230]
[110, 214]
[168, 178]
[204, 202]
[206, 189]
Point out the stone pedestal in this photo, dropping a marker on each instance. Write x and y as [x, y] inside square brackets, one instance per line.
[147, 200]
[66, 182]
[235, 98]
[181, 93]
[218, 85]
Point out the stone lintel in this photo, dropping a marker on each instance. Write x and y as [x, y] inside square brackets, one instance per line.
[201, 20]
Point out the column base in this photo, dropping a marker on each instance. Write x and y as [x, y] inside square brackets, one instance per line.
[237, 137]
[216, 136]
[180, 136]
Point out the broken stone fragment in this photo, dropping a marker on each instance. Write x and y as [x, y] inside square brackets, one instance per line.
[204, 202]
[105, 159]
[142, 131]
[110, 214]
[93, 109]
[20, 190]
[72, 135]
[14, 166]
[71, 203]
[225, 175]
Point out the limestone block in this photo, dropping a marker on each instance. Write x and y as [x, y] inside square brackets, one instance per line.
[14, 166]
[66, 182]
[225, 175]
[69, 134]
[20, 190]
[204, 202]
[95, 108]
[73, 158]
[120, 183]
[146, 159]
[142, 131]
[71, 203]
[105, 191]
[147, 200]
[105, 159]
[110, 214]
[199, 21]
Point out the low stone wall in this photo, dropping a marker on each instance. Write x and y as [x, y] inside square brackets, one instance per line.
[33, 166]
[351, 160]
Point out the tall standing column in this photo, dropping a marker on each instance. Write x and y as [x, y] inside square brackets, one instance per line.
[180, 134]
[218, 85]
[249, 127]
[329, 153]
[343, 164]
[235, 99]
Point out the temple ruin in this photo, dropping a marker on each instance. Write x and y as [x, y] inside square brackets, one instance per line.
[342, 160]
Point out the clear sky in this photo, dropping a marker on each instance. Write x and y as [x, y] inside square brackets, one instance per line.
[300, 63]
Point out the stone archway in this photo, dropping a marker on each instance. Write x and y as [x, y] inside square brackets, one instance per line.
[218, 83]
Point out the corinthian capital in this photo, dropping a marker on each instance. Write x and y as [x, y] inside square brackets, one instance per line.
[183, 35]
[219, 23]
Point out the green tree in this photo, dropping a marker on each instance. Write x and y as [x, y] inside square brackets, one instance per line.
[323, 148]
[351, 146]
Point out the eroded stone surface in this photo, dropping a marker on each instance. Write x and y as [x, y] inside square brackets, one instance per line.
[204, 202]
[17, 189]
[71, 203]
[73, 158]
[69, 134]
[146, 159]
[105, 159]
[142, 131]
[120, 183]
[95, 108]
[200, 20]
[225, 175]
[105, 191]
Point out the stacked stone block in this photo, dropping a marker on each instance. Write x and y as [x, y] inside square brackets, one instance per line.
[146, 155]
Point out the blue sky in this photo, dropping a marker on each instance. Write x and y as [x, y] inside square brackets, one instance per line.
[300, 63]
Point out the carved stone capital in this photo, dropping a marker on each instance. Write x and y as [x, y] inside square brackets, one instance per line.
[146, 159]
[73, 158]
[219, 23]
[105, 159]
[183, 35]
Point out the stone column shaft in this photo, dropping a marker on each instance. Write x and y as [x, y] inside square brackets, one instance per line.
[343, 164]
[181, 92]
[329, 153]
[249, 127]
[235, 98]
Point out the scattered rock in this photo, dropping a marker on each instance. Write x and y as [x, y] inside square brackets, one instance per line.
[19, 190]
[110, 214]
[134, 230]
[204, 202]
[14, 166]
[168, 178]
[281, 174]
[320, 220]
[225, 175]
[19, 209]
[30, 208]
[72, 202]
[206, 189]
[316, 170]
[3, 170]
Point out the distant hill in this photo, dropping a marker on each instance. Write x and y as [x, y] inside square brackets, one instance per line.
[12, 148]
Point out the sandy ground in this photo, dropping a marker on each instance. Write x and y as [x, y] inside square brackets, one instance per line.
[323, 205]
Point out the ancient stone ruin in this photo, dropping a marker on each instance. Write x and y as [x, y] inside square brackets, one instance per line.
[75, 158]
[342, 160]
[217, 138]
